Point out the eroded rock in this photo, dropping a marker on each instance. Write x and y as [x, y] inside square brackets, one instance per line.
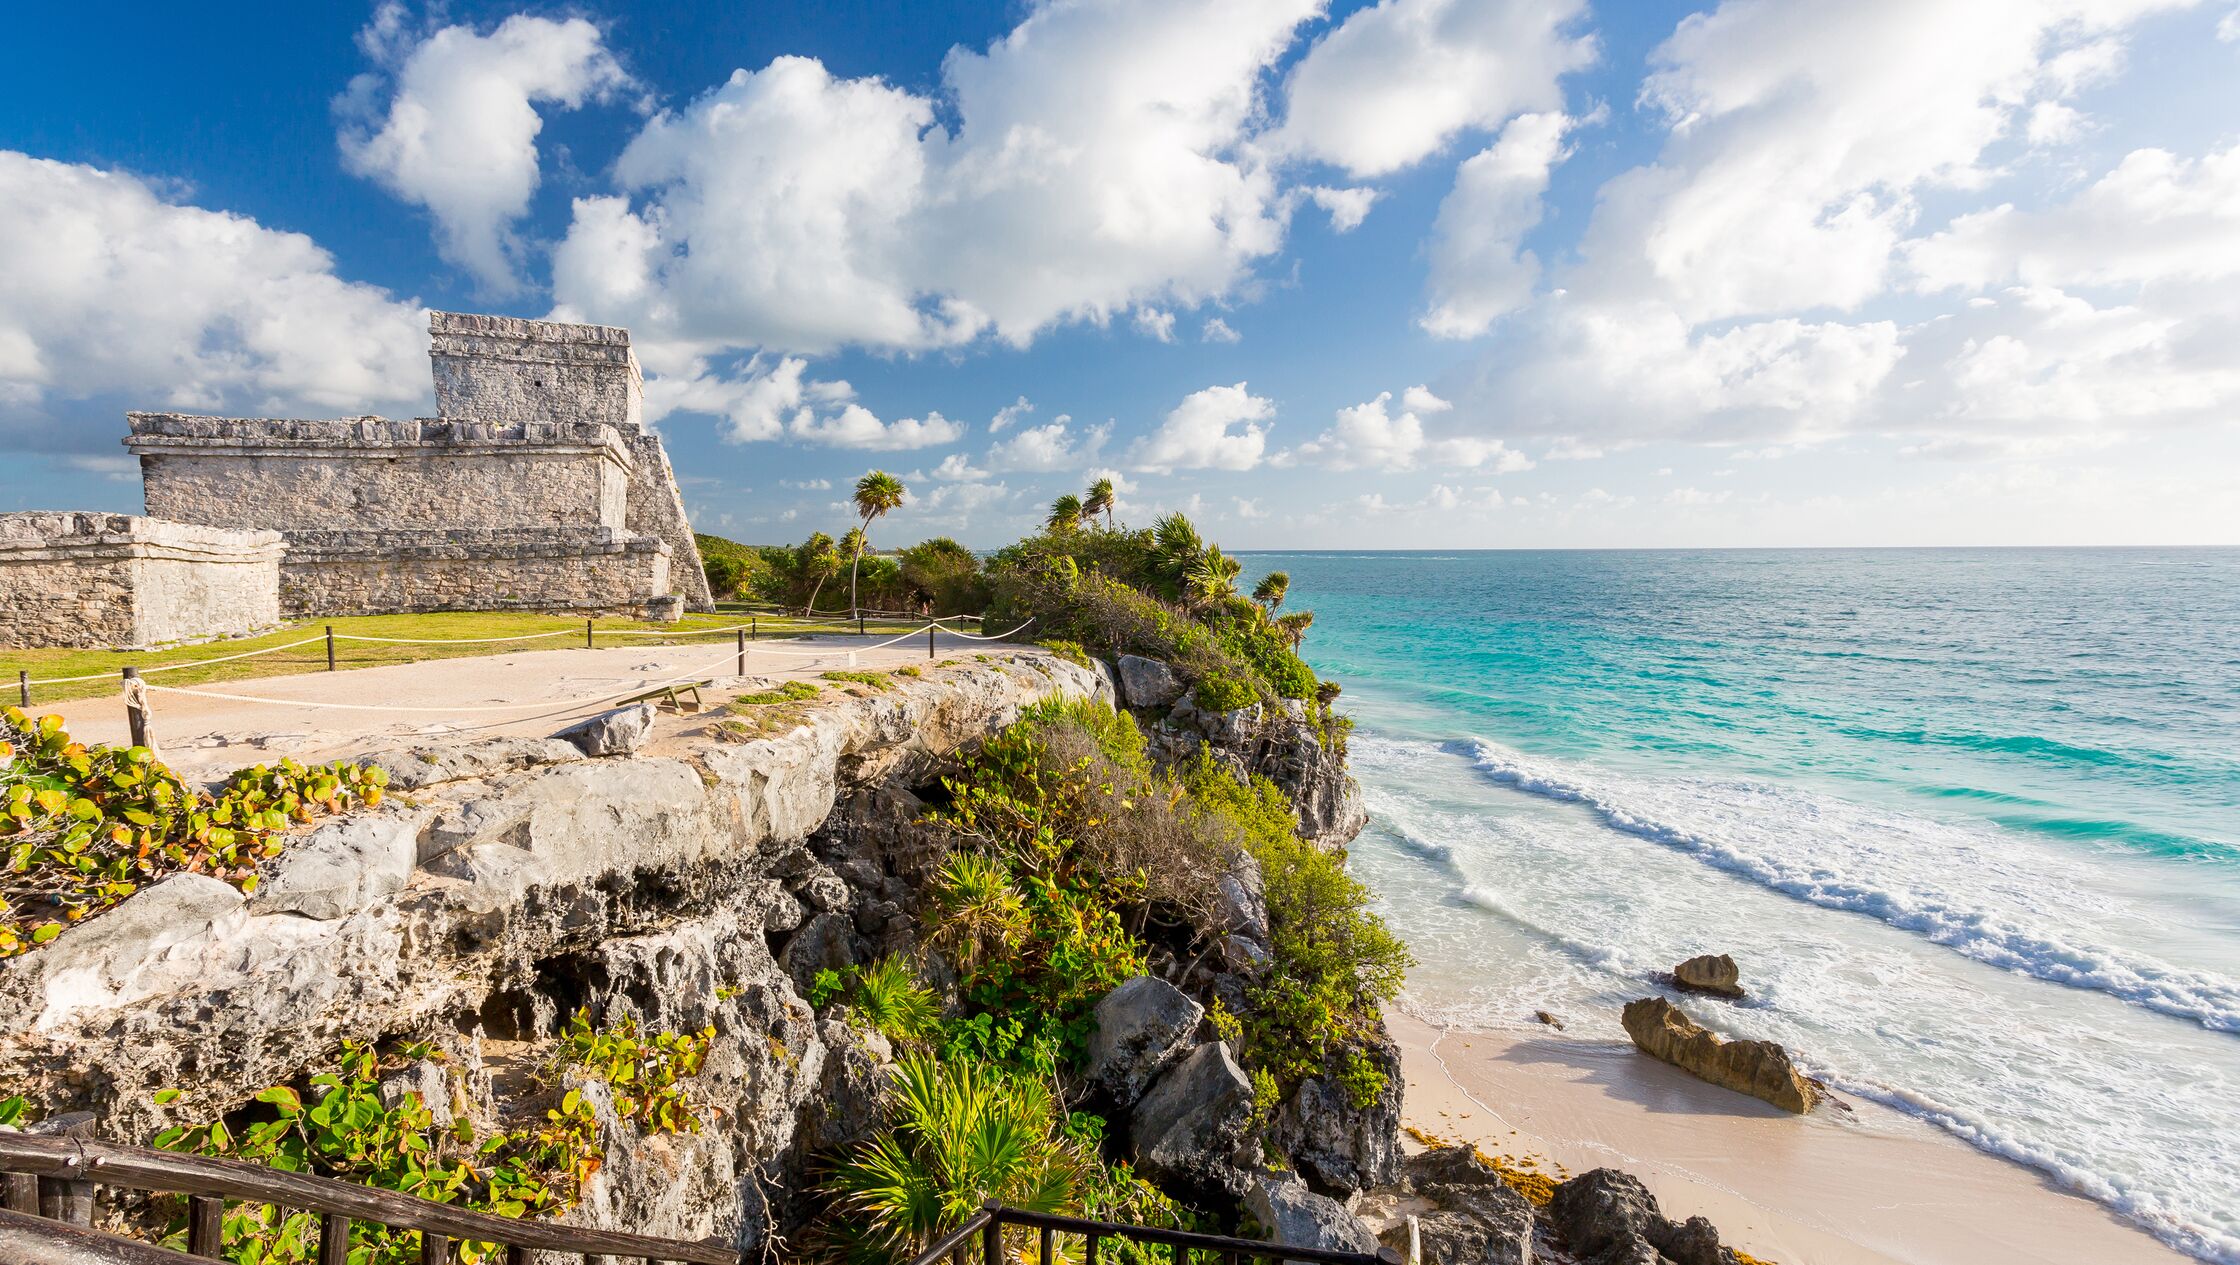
[1341, 1148]
[620, 731]
[1715, 974]
[1147, 683]
[1760, 1069]
[1294, 1216]
[1607, 1217]
[1188, 1128]
[1142, 1027]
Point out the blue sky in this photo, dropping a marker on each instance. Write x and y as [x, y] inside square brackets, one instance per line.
[1458, 272]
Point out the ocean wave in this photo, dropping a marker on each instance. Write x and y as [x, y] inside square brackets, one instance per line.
[1883, 865]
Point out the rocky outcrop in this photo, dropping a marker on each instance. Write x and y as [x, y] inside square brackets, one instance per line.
[1715, 974]
[619, 731]
[1464, 1213]
[1189, 1128]
[1607, 1217]
[1282, 744]
[505, 885]
[1760, 1069]
[1294, 1216]
[1142, 1027]
[1147, 683]
[1342, 1148]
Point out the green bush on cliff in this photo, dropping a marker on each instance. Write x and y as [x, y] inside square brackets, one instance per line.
[83, 826]
[346, 1131]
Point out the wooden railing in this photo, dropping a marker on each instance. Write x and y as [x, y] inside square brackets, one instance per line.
[49, 1192]
[988, 1225]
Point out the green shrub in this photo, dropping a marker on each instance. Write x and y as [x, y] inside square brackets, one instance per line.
[877, 681]
[1336, 962]
[788, 692]
[1070, 651]
[82, 827]
[1225, 694]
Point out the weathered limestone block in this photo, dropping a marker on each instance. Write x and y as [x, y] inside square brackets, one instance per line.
[617, 731]
[1479, 1219]
[1294, 1216]
[344, 865]
[1189, 1127]
[1147, 682]
[1760, 1069]
[120, 580]
[1142, 1027]
[431, 764]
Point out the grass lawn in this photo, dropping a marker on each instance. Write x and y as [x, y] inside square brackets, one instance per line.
[47, 664]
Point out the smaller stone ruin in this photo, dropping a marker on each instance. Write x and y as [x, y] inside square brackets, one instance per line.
[537, 487]
[88, 581]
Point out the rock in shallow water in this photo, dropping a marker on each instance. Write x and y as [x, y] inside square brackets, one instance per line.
[1760, 1069]
[1715, 974]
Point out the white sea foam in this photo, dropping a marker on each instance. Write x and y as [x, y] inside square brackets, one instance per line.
[1991, 900]
[1558, 899]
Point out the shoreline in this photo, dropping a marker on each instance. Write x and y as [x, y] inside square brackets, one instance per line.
[1872, 1186]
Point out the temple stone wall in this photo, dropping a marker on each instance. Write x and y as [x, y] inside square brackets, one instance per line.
[515, 372]
[585, 570]
[381, 475]
[93, 580]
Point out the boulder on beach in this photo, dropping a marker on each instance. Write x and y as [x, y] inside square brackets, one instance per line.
[1713, 973]
[1760, 1069]
[1607, 1217]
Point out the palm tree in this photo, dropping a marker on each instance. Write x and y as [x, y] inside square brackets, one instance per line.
[1294, 626]
[1271, 590]
[962, 1133]
[1175, 550]
[817, 557]
[1065, 513]
[1099, 501]
[1213, 576]
[876, 493]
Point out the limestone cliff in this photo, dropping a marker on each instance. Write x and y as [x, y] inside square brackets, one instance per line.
[508, 883]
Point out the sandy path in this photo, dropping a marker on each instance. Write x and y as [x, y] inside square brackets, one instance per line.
[1868, 1188]
[204, 736]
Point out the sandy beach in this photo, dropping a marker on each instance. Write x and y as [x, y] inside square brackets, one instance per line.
[1866, 1187]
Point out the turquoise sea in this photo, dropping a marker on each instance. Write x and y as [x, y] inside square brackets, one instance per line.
[1969, 820]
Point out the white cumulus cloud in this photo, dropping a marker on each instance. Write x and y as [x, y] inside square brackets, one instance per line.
[1218, 428]
[457, 130]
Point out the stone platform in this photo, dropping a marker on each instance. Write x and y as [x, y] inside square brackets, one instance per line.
[89, 580]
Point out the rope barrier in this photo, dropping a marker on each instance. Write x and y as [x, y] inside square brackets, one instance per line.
[453, 641]
[480, 641]
[555, 705]
[192, 663]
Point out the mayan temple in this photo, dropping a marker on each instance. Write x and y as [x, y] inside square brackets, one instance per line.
[536, 487]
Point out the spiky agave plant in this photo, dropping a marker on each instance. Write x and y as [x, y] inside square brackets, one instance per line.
[981, 912]
[889, 997]
[959, 1133]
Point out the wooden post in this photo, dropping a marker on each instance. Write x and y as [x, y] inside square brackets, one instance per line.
[334, 1239]
[206, 1215]
[434, 1249]
[991, 1238]
[859, 623]
[23, 687]
[587, 634]
[929, 642]
[136, 708]
[68, 1199]
[22, 1193]
[1048, 1247]
[754, 627]
[742, 652]
[330, 647]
